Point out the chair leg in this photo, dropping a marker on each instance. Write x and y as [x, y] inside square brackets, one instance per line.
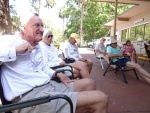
[144, 62]
[101, 63]
[124, 77]
[122, 71]
[135, 58]
[117, 68]
[136, 74]
[106, 69]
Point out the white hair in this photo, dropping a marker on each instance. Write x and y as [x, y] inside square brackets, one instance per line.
[46, 33]
[25, 18]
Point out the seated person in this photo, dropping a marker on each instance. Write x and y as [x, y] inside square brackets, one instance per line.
[100, 49]
[71, 51]
[128, 49]
[114, 51]
[52, 58]
[26, 76]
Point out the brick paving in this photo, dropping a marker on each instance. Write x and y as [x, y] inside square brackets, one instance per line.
[133, 97]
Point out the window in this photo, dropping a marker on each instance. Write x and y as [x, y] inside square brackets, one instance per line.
[147, 31]
[139, 32]
[124, 35]
[132, 34]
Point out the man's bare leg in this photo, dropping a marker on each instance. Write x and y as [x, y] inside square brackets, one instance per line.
[143, 73]
[90, 65]
[76, 73]
[85, 84]
[89, 99]
[91, 102]
[82, 67]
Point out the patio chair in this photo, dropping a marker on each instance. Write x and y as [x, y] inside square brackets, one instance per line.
[120, 67]
[147, 53]
[8, 106]
[100, 57]
[71, 75]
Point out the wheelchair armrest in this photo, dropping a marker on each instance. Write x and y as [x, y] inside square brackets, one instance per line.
[34, 102]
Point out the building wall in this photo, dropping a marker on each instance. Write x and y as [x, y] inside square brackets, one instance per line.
[135, 21]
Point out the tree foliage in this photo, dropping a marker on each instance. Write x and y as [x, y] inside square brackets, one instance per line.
[36, 4]
[95, 15]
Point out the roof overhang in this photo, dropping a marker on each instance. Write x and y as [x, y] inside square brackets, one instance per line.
[139, 7]
[124, 1]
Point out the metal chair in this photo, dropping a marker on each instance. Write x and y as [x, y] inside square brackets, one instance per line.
[8, 106]
[147, 53]
[120, 67]
[100, 57]
[71, 76]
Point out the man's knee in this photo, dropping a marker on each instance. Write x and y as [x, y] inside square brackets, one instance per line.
[85, 84]
[137, 66]
[90, 62]
[103, 98]
[83, 65]
[89, 83]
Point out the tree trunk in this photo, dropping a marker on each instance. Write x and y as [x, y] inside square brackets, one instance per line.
[6, 24]
[81, 24]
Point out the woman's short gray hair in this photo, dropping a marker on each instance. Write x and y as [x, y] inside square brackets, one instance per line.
[46, 33]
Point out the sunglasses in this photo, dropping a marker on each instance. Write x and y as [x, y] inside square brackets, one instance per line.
[50, 36]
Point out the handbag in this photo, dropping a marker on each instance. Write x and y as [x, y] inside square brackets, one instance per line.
[69, 60]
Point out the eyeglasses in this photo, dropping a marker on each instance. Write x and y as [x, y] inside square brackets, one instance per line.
[50, 36]
[38, 25]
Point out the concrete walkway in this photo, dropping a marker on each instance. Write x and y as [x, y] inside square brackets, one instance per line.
[133, 97]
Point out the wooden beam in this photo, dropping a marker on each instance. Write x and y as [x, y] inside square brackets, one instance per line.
[122, 19]
[106, 26]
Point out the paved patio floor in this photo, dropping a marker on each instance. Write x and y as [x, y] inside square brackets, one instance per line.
[133, 97]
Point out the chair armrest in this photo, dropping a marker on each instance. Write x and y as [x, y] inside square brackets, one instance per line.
[36, 101]
[59, 66]
[63, 71]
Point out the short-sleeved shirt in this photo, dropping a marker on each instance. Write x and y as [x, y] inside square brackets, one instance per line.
[128, 49]
[71, 51]
[100, 47]
[114, 51]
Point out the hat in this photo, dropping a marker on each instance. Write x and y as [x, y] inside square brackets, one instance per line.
[74, 35]
[113, 41]
[103, 39]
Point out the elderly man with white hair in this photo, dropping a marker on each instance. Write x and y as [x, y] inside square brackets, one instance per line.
[25, 76]
[71, 51]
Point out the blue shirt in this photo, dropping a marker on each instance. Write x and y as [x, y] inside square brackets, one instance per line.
[114, 51]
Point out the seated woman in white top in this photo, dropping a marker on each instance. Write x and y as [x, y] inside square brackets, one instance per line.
[71, 51]
[51, 56]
